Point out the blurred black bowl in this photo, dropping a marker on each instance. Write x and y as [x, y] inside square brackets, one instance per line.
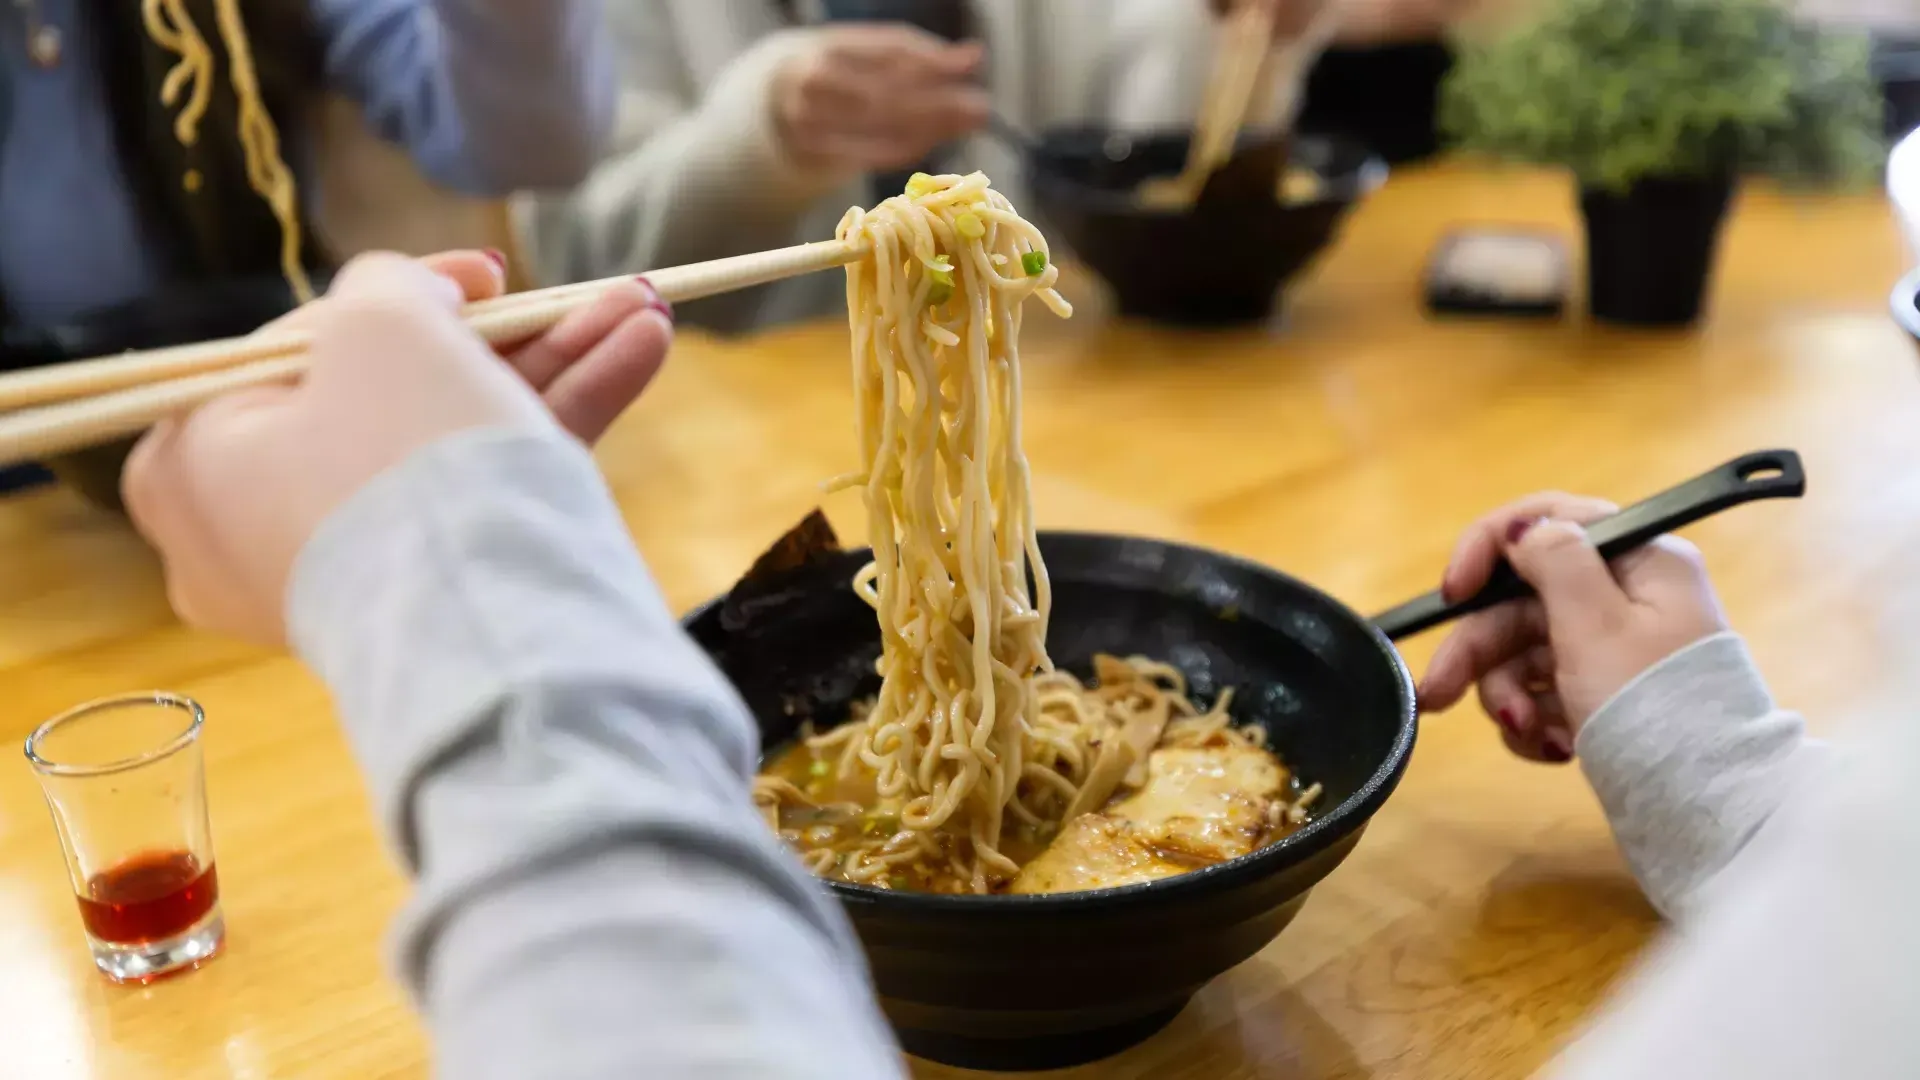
[1906, 305]
[177, 315]
[1031, 982]
[1221, 262]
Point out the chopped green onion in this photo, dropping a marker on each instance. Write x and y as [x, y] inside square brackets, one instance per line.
[942, 289]
[970, 226]
[921, 184]
[898, 881]
[818, 768]
[1034, 263]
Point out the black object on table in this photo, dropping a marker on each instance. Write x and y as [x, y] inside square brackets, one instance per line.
[1497, 270]
[1651, 250]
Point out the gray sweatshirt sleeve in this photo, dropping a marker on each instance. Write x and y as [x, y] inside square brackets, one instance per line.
[1689, 760]
[566, 776]
[1799, 960]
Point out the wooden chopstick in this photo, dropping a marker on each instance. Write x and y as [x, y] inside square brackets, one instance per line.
[1250, 42]
[1246, 42]
[1248, 61]
[139, 389]
[501, 321]
[1294, 60]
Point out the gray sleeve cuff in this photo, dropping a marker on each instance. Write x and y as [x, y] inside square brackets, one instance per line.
[1689, 760]
[486, 563]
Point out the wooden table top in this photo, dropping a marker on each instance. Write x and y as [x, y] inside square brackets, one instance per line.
[1486, 912]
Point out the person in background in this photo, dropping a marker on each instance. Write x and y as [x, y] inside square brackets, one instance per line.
[156, 155]
[567, 775]
[755, 124]
[102, 202]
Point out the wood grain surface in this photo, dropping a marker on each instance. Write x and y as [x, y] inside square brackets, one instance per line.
[1486, 912]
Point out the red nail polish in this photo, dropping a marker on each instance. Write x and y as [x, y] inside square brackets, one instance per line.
[659, 303]
[1555, 754]
[1507, 721]
[1519, 528]
[498, 257]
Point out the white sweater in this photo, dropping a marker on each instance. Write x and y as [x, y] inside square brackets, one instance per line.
[697, 172]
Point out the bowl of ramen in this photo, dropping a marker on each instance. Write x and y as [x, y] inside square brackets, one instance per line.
[1224, 260]
[1059, 781]
[1274, 722]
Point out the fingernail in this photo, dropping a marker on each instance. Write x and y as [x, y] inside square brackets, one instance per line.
[1520, 528]
[1557, 746]
[498, 257]
[659, 303]
[1508, 721]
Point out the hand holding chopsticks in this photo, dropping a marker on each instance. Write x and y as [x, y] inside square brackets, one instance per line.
[137, 390]
[232, 493]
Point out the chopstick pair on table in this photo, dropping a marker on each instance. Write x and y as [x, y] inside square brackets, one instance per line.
[85, 403]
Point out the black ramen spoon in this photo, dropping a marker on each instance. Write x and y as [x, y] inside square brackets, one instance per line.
[1768, 474]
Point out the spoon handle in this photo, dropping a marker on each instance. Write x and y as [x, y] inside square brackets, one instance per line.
[1767, 474]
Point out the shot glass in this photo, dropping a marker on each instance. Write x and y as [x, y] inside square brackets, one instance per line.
[125, 780]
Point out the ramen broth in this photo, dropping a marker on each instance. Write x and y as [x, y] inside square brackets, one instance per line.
[846, 813]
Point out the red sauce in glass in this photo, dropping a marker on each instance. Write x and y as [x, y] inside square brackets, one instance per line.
[150, 897]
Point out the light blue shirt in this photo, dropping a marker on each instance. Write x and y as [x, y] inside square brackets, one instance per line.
[488, 96]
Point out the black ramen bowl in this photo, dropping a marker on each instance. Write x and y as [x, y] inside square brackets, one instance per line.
[178, 315]
[1031, 982]
[1906, 305]
[1220, 262]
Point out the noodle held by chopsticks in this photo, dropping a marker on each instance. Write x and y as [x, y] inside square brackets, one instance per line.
[976, 752]
[935, 310]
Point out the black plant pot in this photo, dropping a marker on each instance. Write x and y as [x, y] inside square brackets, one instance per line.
[1650, 250]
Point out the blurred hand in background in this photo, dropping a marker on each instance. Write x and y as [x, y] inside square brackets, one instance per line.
[871, 97]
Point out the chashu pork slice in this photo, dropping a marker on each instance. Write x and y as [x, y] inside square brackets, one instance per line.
[1199, 806]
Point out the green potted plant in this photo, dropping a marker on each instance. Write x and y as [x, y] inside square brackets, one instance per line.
[1657, 107]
